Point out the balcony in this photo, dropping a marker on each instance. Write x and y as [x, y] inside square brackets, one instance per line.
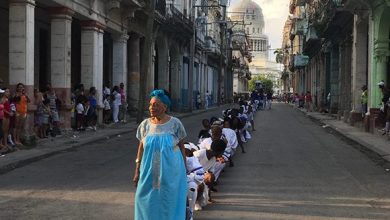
[177, 23]
[161, 7]
[299, 26]
[301, 61]
[313, 42]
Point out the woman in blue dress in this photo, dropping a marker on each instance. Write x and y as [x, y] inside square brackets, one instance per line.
[160, 174]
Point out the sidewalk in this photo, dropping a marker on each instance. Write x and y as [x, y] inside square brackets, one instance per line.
[374, 142]
[71, 140]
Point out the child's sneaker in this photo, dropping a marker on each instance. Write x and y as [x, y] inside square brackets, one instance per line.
[10, 141]
[197, 207]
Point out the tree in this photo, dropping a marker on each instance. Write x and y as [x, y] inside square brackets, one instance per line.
[279, 55]
[268, 85]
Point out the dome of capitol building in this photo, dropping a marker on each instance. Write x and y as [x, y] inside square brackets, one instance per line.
[252, 15]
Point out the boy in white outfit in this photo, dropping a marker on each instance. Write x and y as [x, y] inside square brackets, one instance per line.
[195, 176]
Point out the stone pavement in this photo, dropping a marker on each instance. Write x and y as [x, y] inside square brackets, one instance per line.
[374, 142]
[71, 140]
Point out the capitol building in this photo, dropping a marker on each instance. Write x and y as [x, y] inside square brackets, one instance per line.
[250, 14]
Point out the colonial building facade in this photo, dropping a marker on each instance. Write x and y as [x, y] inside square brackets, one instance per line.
[345, 45]
[98, 42]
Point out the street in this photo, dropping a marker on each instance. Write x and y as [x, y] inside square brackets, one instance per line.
[293, 169]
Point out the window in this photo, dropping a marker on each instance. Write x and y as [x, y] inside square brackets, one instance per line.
[253, 30]
[258, 30]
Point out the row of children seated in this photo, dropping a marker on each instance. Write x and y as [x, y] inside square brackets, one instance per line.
[217, 144]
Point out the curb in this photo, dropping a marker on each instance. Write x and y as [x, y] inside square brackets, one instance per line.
[365, 148]
[67, 148]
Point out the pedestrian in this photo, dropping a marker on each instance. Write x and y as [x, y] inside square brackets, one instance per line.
[198, 100]
[21, 101]
[269, 100]
[205, 131]
[2, 101]
[160, 174]
[207, 99]
[308, 101]
[116, 103]
[364, 100]
[385, 106]
[38, 116]
[123, 106]
[80, 114]
[7, 114]
[91, 113]
[46, 118]
[106, 109]
[54, 104]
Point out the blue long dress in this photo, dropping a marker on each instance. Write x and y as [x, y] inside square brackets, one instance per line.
[162, 187]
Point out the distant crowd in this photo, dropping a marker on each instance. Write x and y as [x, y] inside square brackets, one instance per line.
[50, 109]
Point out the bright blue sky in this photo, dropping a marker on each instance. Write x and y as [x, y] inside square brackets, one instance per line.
[275, 14]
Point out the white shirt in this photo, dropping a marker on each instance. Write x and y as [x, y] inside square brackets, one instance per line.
[117, 101]
[206, 144]
[106, 91]
[231, 137]
[80, 108]
[106, 104]
[195, 170]
[208, 165]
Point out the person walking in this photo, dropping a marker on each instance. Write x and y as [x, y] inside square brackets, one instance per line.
[364, 100]
[207, 99]
[160, 174]
[385, 106]
[116, 103]
[123, 106]
[21, 102]
[308, 101]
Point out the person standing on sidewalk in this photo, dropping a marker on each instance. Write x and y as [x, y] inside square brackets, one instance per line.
[308, 101]
[116, 103]
[385, 106]
[207, 100]
[123, 107]
[21, 101]
[160, 174]
[364, 100]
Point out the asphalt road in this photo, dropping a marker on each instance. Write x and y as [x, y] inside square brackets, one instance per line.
[293, 169]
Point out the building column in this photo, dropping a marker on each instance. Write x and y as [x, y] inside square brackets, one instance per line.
[341, 81]
[21, 55]
[120, 60]
[334, 79]
[92, 59]
[381, 51]
[61, 28]
[21, 43]
[133, 72]
[359, 61]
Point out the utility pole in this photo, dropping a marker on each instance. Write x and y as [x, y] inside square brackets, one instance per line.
[221, 59]
[192, 58]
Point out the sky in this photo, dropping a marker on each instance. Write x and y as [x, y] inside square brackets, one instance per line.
[275, 13]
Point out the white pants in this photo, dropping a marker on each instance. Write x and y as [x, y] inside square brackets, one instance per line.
[218, 167]
[115, 113]
[192, 195]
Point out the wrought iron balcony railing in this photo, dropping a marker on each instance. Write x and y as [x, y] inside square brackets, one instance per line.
[161, 7]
